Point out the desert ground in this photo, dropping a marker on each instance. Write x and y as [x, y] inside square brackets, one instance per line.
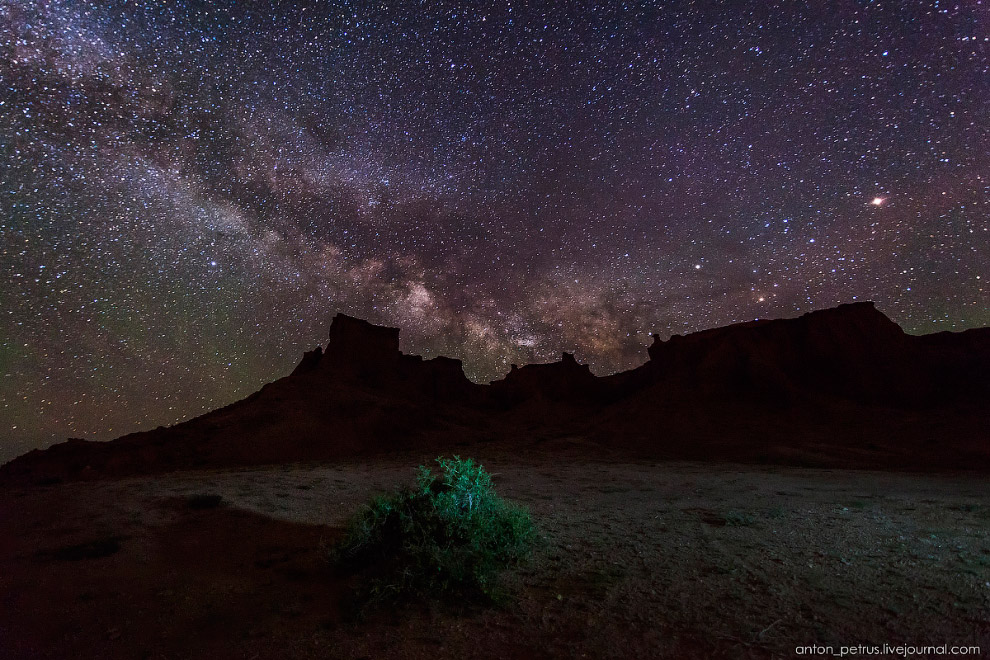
[638, 559]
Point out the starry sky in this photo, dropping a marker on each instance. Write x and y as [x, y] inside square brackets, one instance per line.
[189, 191]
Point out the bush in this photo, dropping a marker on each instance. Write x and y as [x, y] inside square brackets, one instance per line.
[450, 534]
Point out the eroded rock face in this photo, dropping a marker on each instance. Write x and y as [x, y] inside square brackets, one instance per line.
[310, 361]
[556, 381]
[440, 379]
[367, 354]
[360, 349]
[851, 351]
[857, 328]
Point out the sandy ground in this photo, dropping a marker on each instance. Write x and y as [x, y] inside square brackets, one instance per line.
[639, 560]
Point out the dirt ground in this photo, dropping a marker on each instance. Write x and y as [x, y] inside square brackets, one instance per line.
[639, 560]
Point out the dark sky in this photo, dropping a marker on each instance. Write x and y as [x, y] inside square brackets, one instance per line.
[189, 191]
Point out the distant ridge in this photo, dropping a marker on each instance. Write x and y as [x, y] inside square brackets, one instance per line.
[842, 387]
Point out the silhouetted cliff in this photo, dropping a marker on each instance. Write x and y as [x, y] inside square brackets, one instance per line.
[852, 352]
[843, 386]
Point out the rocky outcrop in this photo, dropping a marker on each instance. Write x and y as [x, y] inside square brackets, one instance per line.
[564, 380]
[360, 350]
[310, 361]
[851, 352]
[440, 379]
[364, 354]
[853, 331]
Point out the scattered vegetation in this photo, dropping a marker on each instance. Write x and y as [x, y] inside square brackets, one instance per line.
[450, 534]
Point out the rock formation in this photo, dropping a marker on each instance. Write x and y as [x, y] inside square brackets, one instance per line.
[565, 380]
[843, 386]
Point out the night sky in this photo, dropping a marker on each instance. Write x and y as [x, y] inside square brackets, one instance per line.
[189, 191]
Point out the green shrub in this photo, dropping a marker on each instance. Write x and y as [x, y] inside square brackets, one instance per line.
[451, 533]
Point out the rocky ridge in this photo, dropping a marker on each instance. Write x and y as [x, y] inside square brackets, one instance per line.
[842, 387]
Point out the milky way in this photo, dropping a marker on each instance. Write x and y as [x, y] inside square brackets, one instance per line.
[191, 190]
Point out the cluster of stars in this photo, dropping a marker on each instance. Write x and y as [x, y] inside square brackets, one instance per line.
[189, 191]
